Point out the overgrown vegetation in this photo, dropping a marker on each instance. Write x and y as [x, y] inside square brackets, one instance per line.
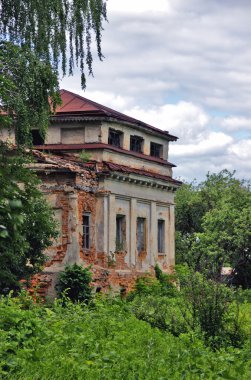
[115, 339]
[74, 283]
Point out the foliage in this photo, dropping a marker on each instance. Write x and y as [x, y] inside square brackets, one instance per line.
[85, 156]
[213, 226]
[27, 82]
[74, 283]
[55, 29]
[206, 304]
[26, 223]
[104, 342]
[203, 306]
[35, 37]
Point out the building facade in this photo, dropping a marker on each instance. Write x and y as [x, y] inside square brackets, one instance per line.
[109, 181]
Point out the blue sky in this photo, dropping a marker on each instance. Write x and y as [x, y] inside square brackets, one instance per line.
[182, 66]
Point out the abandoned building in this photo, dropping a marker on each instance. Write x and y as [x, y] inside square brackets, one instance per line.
[109, 181]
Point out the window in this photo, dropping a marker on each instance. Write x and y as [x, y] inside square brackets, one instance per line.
[136, 143]
[120, 232]
[156, 150]
[86, 231]
[161, 236]
[37, 139]
[141, 234]
[115, 138]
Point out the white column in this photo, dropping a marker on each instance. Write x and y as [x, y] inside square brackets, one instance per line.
[72, 254]
[171, 237]
[153, 234]
[133, 227]
[111, 224]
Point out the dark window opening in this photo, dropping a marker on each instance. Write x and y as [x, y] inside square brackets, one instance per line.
[161, 236]
[136, 143]
[115, 138]
[86, 231]
[120, 232]
[156, 150]
[37, 139]
[141, 235]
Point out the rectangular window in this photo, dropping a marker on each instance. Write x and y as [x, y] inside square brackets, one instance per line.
[115, 138]
[161, 236]
[37, 139]
[141, 234]
[120, 233]
[156, 150]
[136, 143]
[86, 231]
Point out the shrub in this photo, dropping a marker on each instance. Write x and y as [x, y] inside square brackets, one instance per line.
[213, 307]
[74, 283]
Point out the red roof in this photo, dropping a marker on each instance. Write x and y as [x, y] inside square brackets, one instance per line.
[129, 170]
[74, 104]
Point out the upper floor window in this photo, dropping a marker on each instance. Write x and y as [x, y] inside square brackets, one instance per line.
[37, 139]
[86, 239]
[156, 150]
[136, 143]
[115, 137]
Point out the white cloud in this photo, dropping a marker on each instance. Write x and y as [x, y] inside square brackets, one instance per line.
[139, 6]
[209, 143]
[242, 150]
[233, 123]
[184, 119]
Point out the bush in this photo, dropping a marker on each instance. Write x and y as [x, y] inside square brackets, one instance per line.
[74, 283]
[214, 309]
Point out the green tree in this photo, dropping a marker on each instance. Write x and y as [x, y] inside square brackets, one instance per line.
[26, 223]
[213, 226]
[36, 37]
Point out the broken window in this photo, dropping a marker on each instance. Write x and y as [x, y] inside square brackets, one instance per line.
[136, 143]
[120, 232]
[86, 231]
[37, 139]
[115, 138]
[161, 236]
[141, 234]
[156, 150]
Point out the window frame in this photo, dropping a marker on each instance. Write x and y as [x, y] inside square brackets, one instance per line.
[86, 231]
[141, 241]
[161, 236]
[114, 134]
[136, 143]
[36, 137]
[120, 232]
[156, 150]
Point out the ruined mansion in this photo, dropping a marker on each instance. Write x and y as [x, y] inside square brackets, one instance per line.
[109, 181]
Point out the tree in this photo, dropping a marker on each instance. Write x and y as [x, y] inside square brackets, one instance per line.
[26, 222]
[35, 41]
[213, 226]
[36, 37]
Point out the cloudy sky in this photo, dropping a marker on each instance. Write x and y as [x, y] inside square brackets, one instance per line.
[182, 66]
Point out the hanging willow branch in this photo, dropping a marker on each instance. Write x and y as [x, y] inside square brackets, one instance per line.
[58, 31]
